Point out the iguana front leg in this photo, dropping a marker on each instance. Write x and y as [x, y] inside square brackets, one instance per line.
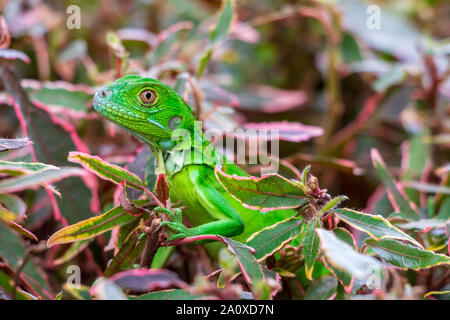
[211, 200]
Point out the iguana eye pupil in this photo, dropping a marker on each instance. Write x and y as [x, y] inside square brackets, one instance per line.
[147, 97]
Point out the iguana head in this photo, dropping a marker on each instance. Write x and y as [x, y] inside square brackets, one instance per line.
[147, 108]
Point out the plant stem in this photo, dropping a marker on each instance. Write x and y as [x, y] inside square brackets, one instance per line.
[333, 87]
[152, 244]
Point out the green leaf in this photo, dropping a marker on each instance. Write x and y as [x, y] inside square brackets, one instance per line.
[174, 294]
[417, 155]
[402, 203]
[204, 62]
[13, 144]
[322, 289]
[145, 280]
[346, 236]
[92, 227]
[271, 239]
[18, 168]
[305, 174]
[310, 247]
[375, 226]
[35, 179]
[114, 42]
[333, 203]
[343, 257]
[444, 211]
[223, 24]
[80, 292]
[106, 170]
[269, 192]
[406, 256]
[60, 97]
[252, 271]
[168, 39]
[250, 268]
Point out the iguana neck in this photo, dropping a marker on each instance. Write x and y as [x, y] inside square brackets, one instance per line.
[195, 149]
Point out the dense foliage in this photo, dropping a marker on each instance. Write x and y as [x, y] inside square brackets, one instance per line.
[361, 106]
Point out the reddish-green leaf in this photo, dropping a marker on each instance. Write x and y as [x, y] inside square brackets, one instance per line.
[33, 180]
[343, 257]
[406, 256]
[269, 192]
[333, 203]
[11, 54]
[18, 168]
[13, 144]
[73, 250]
[174, 294]
[252, 271]
[80, 292]
[424, 224]
[322, 289]
[53, 138]
[106, 170]
[402, 203]
[127, 254]
[144, 280]
[65, 99]
[12, 249]
[374, 225]
[271, 239]
[18, 228]
[92, 227]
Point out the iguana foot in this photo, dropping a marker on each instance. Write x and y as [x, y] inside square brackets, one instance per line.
[180, 230]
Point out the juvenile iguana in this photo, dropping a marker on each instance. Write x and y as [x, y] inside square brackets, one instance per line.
[156, 114]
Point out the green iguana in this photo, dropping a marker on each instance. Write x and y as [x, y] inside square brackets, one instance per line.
[158, 116]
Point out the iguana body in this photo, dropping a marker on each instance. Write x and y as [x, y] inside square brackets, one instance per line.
[155, 114]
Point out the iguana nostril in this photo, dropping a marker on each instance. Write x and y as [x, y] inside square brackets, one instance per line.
[103, 93]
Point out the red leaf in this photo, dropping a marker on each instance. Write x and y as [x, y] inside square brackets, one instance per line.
[162, 189]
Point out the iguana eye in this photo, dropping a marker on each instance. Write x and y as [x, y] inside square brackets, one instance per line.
[147, 97]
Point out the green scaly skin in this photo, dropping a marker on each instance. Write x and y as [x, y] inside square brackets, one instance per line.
[189, 173]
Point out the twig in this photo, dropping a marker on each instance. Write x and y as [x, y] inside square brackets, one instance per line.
[152, 244]
[353, 128]
[17, 273]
